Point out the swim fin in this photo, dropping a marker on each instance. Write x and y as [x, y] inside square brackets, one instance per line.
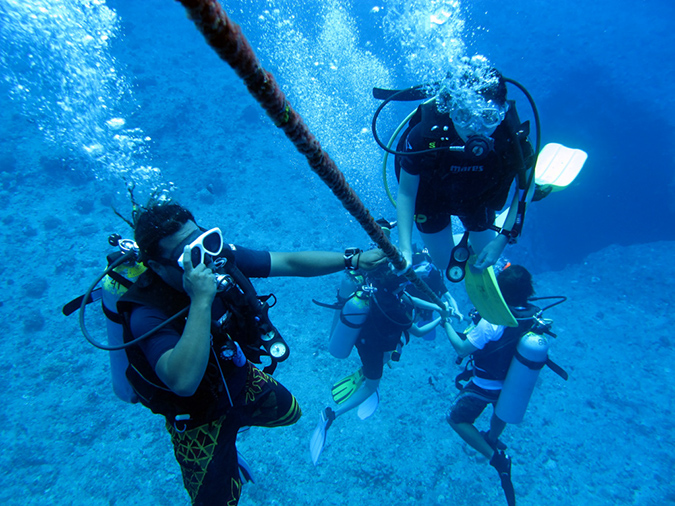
[245, 472]
[368, 407]
[346, 387]
[483, 290]
[318, 440]
[558, 166]
[502, 463]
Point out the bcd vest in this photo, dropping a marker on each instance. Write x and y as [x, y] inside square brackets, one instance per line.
[493, 361]
[232, 319]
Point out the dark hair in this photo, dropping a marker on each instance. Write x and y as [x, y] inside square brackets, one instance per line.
[496, 87]
[515, 283]
[473, 75]
[155, 222]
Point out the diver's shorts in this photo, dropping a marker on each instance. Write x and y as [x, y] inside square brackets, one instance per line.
[474, 221]
[470, 403]
[207, 454]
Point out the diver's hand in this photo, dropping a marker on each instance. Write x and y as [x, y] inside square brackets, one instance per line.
[198, 282]
[368, 260]
[453, 309]
[491, 252]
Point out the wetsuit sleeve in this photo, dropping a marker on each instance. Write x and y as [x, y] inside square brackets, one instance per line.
[143, 320]
[483, 333]
[252, 263]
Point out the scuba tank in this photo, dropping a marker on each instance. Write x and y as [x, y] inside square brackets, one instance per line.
[122, 271]
[348, 327]
[530, 357]
[115, 284]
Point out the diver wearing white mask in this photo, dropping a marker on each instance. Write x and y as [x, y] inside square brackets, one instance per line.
[471, 110]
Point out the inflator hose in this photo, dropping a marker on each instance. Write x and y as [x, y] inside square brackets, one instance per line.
[228, 41]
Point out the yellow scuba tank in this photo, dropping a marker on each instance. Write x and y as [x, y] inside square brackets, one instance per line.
[115, 284]
[530, 357]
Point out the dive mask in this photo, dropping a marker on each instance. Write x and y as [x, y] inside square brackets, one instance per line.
[479, 116]
[207, 243]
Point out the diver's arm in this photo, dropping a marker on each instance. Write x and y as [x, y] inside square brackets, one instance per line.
[462, 347]
[512, 216]
[451, 305]
[405, 211]
[319, 263]
[418, 331]
[493, 250]
[182, 367]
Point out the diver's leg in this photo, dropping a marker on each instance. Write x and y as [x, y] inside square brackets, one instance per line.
[440, 245]
[266, 402]
[468, 406]
[367, 389]
[497, 426]
[473, 438]
[207, 456]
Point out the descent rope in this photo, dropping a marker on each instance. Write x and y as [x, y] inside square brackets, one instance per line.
[228, 41]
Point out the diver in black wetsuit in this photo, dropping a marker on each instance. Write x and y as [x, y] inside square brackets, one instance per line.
[472, 185]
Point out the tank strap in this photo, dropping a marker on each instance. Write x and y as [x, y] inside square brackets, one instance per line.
[76, 303]
[530, 364]
[118, 278]
[557, 369]
[346, 323]
[111, 315]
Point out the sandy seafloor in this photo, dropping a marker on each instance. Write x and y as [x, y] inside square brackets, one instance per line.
[603, 437]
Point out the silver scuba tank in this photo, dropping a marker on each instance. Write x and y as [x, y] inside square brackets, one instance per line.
[112, 291]
[531, 355]
[351, 318]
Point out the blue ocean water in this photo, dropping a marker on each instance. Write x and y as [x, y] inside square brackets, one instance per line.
[98, 95]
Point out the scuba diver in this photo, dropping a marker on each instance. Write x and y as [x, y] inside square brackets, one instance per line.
[377, 314]
[505, 366]
[464, 152]
[192, 326]
[471, 109]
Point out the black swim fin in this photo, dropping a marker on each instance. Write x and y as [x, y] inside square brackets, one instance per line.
[502, 463]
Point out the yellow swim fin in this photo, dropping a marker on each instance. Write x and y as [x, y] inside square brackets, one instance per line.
[346, 387]
[482, 289]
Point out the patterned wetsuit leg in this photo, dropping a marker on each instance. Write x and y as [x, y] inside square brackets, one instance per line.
[208, 455]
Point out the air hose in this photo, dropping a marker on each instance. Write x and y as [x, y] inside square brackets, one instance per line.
[228, 41]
